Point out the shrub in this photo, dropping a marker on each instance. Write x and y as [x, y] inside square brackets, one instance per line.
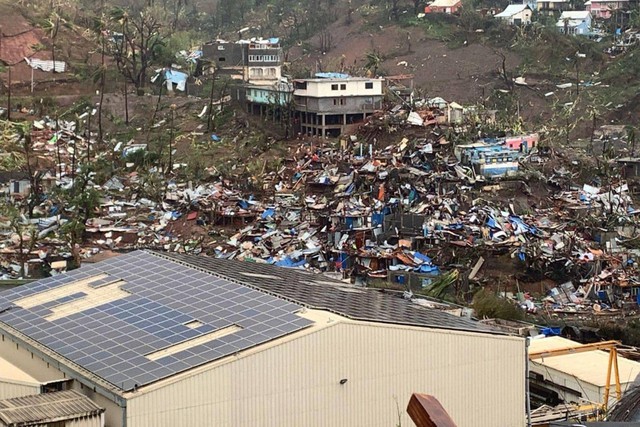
[488, 305]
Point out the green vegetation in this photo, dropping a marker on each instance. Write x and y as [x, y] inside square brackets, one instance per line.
[488, 305]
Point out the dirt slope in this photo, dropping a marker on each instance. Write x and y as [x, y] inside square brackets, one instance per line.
[455, 74]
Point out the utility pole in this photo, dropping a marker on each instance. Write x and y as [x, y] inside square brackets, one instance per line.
[58, 147]
[173, 114]
[89, 137]
[210, 115]
[126, 103]
[9, 96]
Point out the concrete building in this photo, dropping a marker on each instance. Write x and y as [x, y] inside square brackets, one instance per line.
[257, 61]
[57, 409]
[575, 22]
[181, 340]
[552, 6]
[516, 14]
[257, 66]
[604, 8]
[14, 184]
[326, 105]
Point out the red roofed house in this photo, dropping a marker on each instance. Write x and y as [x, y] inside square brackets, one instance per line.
[444, 6]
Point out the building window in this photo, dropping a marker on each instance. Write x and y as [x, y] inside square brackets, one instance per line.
[272, 71]
[334, 87]
[300, 85]
[343, 87]
[368, 85]
[221, 59]
[343, 101]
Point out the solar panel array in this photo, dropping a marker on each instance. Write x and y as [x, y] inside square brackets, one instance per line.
[319, 292]
[112, 340]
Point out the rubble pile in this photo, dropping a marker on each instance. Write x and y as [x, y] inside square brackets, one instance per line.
[400, 211]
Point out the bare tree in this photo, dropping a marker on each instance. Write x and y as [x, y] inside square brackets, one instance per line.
[141, 37]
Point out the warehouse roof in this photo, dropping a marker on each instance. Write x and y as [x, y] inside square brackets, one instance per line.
[319, 292]
[138, 318]
[590, 367]
[511, 10]
[145, 316]
[46, 408]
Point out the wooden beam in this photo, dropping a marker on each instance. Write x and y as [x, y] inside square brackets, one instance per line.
[604, 345]
[426, 411]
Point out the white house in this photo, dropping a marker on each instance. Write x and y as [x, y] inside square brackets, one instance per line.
[170, 340]
[516, 14]
[575, 22]
[327, 104]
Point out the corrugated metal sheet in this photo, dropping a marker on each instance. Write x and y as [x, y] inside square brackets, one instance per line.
[478, 378]
[10, 389]
[48, 407]
[46, 65]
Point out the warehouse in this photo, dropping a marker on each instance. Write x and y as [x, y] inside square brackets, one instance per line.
[579, 377]
[181, 340]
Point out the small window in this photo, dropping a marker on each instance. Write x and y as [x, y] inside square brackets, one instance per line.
[343, 101]
[343, 87]
[221, 59]
[368, 85]
[335, 102]
[334, 87]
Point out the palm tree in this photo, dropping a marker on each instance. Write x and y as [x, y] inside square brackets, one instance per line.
[374, 59]
[52, 27]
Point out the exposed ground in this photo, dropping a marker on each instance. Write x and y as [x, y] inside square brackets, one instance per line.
[459, 74]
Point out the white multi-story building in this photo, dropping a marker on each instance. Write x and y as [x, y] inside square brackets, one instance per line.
[327, 104]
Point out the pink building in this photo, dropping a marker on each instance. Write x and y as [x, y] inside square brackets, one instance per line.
[604, 8]
[522, 142]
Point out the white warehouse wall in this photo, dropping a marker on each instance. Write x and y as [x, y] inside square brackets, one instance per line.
[478, 378]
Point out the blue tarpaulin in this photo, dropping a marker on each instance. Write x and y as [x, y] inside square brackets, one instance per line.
[377, 219]
[177, 78]
[289, 263]
[421, 257]
[492, 222]
[268, 213]
[332, 76]
[349, 222]
[551, 332]
[426, 268]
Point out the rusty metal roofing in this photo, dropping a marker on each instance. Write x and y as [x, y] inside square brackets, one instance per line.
[47, 408]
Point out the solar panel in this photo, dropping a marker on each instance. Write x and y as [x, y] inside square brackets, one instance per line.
[169, 305]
